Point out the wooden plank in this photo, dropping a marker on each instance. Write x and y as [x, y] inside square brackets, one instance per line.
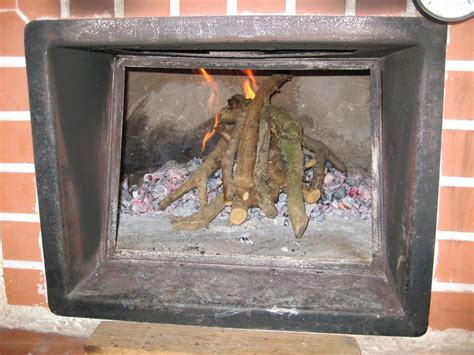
[140, 338]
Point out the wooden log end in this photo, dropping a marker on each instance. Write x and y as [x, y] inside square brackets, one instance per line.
[311, 195]
[299, 227]
[269, 210]
[163, 204]
[238, 215]
[310, 164]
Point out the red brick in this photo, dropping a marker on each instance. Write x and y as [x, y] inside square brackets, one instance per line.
[60, 344]
[144, 8]
[15, 341]
[461, 41]
[320, 7]
[13, 90]
[17, 192]
[455, 261]
[16, 336]
[459, 91]
[457, 151]
[92, 8]
[452, 310]
[11, 34]
[17, 348]
[203, 7]
[16, 144]
[35, 9]
[456, 209]
[261, 7]
[21, 241]
[25, 287]
[380, 8]
[7, 4]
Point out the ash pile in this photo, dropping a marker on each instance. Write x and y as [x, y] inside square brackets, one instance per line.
[347, 195]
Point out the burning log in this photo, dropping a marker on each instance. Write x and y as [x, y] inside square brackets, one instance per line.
[237, 116]
[289, 134]
[202, 218]
[248, 143]
[261, 170]
[199, 178]
[320, 150]
[277, 174]
[240, 206]
[321, 153]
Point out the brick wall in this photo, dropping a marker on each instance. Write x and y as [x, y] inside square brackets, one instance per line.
[24, 282]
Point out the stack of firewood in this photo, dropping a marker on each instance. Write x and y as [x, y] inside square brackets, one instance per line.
[261, 153]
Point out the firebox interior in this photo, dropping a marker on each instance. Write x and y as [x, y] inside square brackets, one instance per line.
[166, 115]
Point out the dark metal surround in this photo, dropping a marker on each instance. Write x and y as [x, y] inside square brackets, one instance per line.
[75, 77]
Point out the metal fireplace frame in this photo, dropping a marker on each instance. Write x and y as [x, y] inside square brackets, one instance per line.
[76, 87]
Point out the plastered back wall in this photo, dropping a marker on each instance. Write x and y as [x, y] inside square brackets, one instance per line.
[23, 301]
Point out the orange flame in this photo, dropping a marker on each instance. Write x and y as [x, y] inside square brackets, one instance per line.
[211, 133]
[212, 102]
[250, 85]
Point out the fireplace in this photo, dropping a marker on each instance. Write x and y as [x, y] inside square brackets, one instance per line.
[376, 81]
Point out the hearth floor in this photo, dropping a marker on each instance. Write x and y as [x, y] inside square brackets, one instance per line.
[453, 341]
[333, 240]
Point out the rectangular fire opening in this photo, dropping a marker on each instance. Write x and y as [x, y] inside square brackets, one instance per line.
[76, 75]
[166, 117]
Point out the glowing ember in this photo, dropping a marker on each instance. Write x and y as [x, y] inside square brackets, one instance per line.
[250, 85]
[212, 102]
